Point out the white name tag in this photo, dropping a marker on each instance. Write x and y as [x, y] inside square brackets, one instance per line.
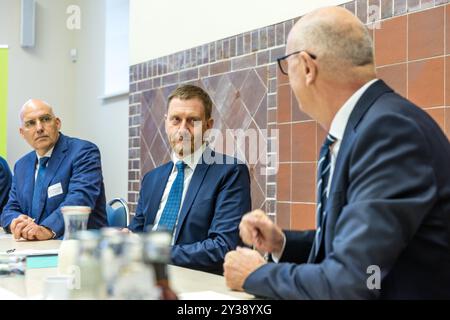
[54, 190]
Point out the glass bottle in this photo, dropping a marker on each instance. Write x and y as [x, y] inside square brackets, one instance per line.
[157, 250]
[75, 219]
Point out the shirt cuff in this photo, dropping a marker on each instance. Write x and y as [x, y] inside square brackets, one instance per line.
[276, 256]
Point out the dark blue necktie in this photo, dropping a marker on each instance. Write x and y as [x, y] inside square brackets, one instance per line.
[323, 175]
[38, 186]
[170, 212]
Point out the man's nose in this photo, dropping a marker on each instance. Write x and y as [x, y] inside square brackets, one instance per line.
[39, 126]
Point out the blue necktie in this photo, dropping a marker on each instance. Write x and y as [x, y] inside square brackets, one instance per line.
[323, 175]
[38, 185]
[170, 212]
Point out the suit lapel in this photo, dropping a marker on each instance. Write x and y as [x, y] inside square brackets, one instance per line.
[377, 89]
[159, 184]
[58, 155]
[196, 181]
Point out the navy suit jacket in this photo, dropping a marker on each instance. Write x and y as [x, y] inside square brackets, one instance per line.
[388, 206]
[208, 223]
[76, 165]
[5, 182]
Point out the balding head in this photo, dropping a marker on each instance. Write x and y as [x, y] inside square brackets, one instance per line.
[35, 104]
[39, 126]
[340, 41]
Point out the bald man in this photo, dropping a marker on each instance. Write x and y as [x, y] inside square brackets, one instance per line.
[60, 171]
[383, 183]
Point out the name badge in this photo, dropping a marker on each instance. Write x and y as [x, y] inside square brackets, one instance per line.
[54, 190]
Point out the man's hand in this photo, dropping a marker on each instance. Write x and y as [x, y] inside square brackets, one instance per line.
[238, 265]
[36, 232]
[256, 229]
[18, 224]
[125, 230]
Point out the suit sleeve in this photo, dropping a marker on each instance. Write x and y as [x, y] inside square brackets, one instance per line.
[392, 187]
[137, 224]
[233, 201]
[5, 183]
[84, 187]
[12, 208]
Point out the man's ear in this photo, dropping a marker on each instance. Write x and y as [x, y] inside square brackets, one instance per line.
[209, 123]
[309, 68]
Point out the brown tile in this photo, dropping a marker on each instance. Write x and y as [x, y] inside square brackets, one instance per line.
[361, 10]
[438, 114]
[303, 216]
[219, 67]
[284, 142]
[243, 62]
[395, 77]
[350, 6]
[386, 8]
[304, 141]
[447, 122]
[297, 113]
[426, 82]
[321, 135]
[425, 4]
[284, 103]
[303, 182]
[447, 30]
[283, 219]
[426, 33]
[390, 41]
[284, 182]
[413, 5]
[282, 78]
[447, 80]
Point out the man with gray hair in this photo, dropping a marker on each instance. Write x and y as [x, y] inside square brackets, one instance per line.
[60, 171]
[383, 191]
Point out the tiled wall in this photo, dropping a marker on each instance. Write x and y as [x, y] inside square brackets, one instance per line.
[412, 48]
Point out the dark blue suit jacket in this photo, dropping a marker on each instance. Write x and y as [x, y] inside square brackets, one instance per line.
[5, 183]
[208, 224]
[76, 165]
[389, 206]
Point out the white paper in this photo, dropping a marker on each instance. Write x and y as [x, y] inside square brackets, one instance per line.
[205, 295]
[8, 295]
[54, 190]
[33, 252]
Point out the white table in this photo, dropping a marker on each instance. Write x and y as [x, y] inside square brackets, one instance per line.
[182, 280]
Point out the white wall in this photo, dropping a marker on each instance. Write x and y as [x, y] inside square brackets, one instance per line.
[43, 72]
[103, 122]
[159, 28]
[47, 72]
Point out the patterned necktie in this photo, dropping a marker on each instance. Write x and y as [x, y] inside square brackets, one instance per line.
[323, 175]
[172, 207]
[38, 185]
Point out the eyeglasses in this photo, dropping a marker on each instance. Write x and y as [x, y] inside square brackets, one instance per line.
[282, 62]
[45, 119]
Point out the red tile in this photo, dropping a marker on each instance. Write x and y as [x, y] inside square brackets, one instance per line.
[303, 216]
[447, 32]
[304, 141]
[447, 122]
[284, 142]
[426, 82]
[426, 33]
[281, 78]
[284, 103]
[438, 114]
[447, 77]
[284, 182]
[303, 182]
[283, 219]
[395, 77]
[390, 41]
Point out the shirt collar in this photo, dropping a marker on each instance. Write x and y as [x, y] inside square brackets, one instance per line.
[192, 159]
[48, 154]
[340, 120]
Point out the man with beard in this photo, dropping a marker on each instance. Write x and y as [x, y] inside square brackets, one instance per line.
[200, 196]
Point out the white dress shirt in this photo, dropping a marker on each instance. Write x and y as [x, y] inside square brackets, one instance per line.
[337, 129]
[48, 154]
[191, 162]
